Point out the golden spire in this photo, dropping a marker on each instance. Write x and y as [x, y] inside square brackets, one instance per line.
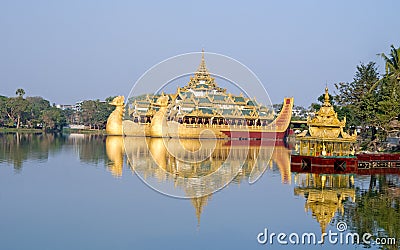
[199, 203]
[202, 68]
[202, 75]
[327, 102]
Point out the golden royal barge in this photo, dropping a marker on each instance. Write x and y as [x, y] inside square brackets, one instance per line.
[201, 109]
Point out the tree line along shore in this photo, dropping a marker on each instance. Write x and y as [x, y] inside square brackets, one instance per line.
[19, 113]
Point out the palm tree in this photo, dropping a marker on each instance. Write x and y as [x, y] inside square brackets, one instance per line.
[20, 92]
[392, 67]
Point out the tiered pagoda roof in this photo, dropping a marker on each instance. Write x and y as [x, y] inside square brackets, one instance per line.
[202, 97]
[326, 125]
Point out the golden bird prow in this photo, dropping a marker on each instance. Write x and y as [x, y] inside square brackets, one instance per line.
[114, 121]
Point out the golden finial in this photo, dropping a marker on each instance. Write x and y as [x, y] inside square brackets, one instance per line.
[327, 102]
[202, 67]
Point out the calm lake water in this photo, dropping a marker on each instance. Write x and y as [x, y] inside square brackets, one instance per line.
[83, 192]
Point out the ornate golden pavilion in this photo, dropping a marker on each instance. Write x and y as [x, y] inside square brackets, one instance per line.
[325, 135]
[199, 106]
[201, 101]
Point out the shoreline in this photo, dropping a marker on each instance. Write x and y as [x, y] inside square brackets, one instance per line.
[66, 131]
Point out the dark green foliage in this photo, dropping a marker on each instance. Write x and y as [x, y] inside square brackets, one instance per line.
[95, 113]
[36, 112]
[53, 119]
[16, 109]
[392, 67]
[37, 105]
[20, 92]
[371, 102]
[354, 98]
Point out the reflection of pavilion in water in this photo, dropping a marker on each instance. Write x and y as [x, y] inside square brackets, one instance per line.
[325, 194]
[183, 162]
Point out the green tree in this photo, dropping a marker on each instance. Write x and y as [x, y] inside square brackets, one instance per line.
[101, 115]
[95, 113]
[36, 106]
[388, 104]
[105, 110]
[353, 93]
[20, 92]
[53, 119]
[358, 104]
[392, 67]
[16, 108]
[355, 96]
[69, 115]
[88, 110]
[3, 110]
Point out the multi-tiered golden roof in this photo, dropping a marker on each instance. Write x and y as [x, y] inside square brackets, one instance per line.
[325, 135]
[202, 105]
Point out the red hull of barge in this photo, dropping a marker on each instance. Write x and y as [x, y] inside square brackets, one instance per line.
[328, 165]
[363, 164]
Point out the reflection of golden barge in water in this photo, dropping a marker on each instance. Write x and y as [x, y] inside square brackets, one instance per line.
[182, 162]
[201, 109]
[190, 158]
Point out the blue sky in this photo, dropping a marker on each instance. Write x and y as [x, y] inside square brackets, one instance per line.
[68, 51]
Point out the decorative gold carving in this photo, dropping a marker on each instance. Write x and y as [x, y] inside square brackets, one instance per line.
[114, 121]
[326, 116]
[159, 126]
[162, 101]
[326, 125]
